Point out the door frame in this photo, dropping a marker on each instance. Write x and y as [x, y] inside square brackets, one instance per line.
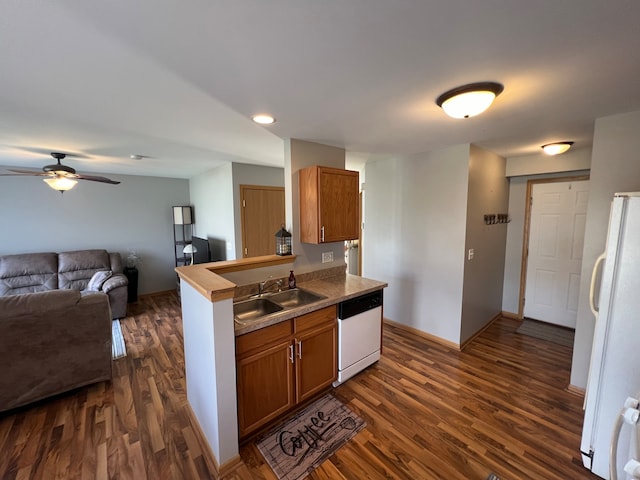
[527, 225]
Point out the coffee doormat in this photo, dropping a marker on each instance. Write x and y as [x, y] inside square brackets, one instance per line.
[296, 448]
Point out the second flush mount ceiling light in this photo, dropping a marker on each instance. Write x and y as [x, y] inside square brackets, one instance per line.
[556, 148]
[469, 100]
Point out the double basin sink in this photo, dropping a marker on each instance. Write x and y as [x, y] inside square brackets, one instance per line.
[246, 311]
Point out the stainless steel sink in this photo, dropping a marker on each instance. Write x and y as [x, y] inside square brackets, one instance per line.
[253, 309]
[296, 297]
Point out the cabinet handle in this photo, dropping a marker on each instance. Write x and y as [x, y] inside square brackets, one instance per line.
[291, 352]
[299, 342]
[322, 234]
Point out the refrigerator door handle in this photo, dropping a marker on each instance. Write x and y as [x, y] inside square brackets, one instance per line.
[592, 287]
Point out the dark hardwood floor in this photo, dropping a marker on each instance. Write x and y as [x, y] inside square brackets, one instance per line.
[432, 413]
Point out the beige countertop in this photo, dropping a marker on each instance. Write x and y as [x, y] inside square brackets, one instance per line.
[336, 288]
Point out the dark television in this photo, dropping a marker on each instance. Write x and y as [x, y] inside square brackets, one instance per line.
[203, 253]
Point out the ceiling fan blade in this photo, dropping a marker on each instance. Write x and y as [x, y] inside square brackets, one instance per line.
[29, 172]
[96, 179]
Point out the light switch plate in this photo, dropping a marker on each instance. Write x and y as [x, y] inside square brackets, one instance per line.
[471, 254]
[327, 257]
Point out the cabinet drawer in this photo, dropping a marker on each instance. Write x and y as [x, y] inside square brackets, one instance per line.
[319, 318]
[260, 339]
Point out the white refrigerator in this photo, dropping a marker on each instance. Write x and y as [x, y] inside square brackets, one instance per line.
[614, 372]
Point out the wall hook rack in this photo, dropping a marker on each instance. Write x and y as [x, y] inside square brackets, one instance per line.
[496, 218]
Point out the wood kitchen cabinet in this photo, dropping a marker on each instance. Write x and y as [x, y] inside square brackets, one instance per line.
[316, 336]
[279, 366]
[329, 202]
[263, 373]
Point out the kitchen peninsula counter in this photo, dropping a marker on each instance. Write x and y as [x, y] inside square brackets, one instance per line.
[336, 288]
[209, 331]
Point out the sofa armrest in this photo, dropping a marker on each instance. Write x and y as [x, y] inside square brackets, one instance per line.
[115, 281]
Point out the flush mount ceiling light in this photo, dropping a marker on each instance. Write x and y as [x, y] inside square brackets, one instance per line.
[263, 119]
[556, 148]
[469, 100]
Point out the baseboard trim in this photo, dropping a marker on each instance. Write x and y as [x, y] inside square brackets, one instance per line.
[425, 335]
[207, 454]
[511, 315]
[576, 390]
[479, 332]
[155, 294]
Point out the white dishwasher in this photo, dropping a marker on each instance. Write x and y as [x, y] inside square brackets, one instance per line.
[359, 334]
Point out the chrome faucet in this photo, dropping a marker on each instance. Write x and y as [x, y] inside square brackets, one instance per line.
[262, 286]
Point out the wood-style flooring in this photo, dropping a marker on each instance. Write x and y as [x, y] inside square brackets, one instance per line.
[432, 413]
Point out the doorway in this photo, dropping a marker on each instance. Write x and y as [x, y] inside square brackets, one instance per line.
[262, 215]
[552, 249]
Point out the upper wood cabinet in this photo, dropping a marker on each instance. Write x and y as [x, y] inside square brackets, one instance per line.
[328, 205]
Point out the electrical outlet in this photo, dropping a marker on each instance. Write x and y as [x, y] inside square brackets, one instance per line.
[471, 254]
[327, 257]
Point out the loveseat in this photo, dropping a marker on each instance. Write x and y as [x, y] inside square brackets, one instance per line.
[76, 270]
[52, 342]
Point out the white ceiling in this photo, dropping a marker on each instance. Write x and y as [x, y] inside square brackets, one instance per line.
[178, 80]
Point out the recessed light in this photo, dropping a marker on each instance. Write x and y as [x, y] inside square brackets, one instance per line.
[136, 157]
[263, 119]
[556, 148]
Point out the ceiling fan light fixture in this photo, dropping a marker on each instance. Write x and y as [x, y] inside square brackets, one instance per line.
[263, 119]
[469, 100]
[61, 184]
[556, 148]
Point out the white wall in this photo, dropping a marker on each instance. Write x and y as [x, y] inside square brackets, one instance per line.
[251, 175]
[615, 167]
[415, 219]
[212, 200]
[135, 215]
[483, 275]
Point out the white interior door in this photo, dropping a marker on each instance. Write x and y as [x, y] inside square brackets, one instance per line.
[556, 237]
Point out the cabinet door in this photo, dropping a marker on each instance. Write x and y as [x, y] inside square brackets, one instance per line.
[329, 205]
[316, 362]
[316, 343]
[265, 386]
[338, 205]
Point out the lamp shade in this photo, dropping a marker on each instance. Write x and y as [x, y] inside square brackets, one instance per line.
[556, 148]
[469, 100]
[189, 249]
[182, 215]
[61, 184]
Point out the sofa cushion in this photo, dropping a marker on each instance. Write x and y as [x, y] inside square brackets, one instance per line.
[28, 273]
[76, 268]
[24, 305]
[98, 278]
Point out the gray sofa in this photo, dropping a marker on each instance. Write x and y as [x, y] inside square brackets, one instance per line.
[40, 272]
[52, 342]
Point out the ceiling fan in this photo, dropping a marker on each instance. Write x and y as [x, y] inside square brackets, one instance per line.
[61, 177]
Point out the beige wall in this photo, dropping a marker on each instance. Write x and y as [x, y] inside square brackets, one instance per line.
[483, 275]
[300, 154]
